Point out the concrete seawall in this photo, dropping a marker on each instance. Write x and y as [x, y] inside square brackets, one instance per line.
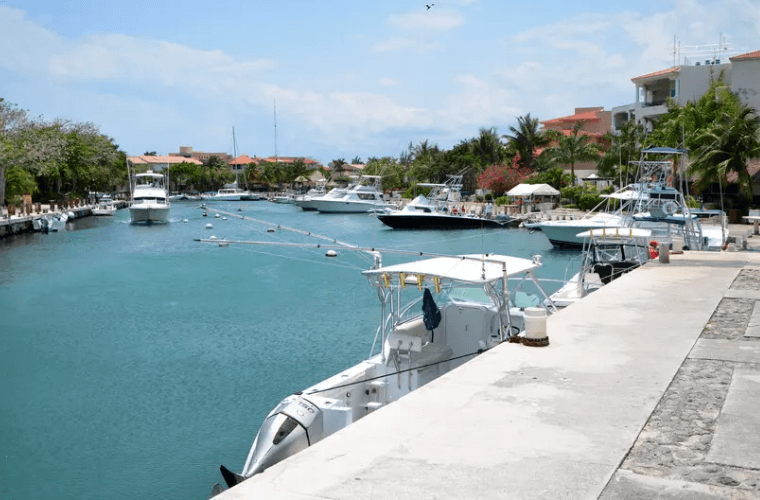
[608, 410]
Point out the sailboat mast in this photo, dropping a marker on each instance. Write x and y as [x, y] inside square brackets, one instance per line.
[275, 133]
[234, 154]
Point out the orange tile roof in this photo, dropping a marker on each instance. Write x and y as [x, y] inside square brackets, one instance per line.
[748, 55]
[170, 159]
[568, 133]
[243, 160]
[662, 72]
[589, 116]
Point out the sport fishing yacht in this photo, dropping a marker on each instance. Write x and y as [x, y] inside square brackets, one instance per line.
[364, 196]
[149, 201]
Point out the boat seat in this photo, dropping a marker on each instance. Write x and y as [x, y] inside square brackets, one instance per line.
[411, 333]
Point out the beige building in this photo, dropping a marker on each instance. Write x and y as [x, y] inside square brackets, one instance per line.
[593, 122]
[688, 83]
[159, 163]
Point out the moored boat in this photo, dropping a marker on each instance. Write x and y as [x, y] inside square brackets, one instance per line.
[104, 207]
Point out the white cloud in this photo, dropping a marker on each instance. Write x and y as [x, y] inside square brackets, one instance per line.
[433, 19]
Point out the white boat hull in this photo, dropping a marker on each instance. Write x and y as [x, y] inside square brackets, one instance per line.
[150, 214]
[347, 207]
[563, 233]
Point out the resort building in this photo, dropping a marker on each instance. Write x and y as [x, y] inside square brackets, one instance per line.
[159, 163]
[593, 122]
[239, 164]
[187, 152]
[689, 82]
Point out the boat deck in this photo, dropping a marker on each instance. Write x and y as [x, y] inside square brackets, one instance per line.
[650, 389]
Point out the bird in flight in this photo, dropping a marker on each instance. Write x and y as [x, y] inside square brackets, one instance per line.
[428, 6]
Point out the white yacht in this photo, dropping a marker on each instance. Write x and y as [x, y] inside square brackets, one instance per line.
[436, 314]
[149, 199]
[364, 196]
[441, 209]
[105, 207]
[233, 193]
[308, 201]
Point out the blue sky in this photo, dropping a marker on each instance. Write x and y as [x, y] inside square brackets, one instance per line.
[361, 78]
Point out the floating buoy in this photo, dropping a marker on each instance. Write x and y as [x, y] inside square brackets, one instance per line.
[185, 220]
[212, 237]
[205, 214]
[224, 218]
[270, 230]
[223, 244]
[209, 226]
[331, 253]
[216, 216]
[240, 209]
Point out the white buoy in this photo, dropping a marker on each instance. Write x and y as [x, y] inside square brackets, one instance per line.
[212, 237]
[331, 253]
[209, 226]
[185, 220]
[205, 214]
[224, 218]
[216, 216]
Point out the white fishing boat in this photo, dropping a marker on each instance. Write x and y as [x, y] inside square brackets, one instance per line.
[149, 203]
[233, 193]
[651, 203]
[309, 201]
[436, 313]
[441, 209]
[608, 253]
[363, 197]
[104, 207]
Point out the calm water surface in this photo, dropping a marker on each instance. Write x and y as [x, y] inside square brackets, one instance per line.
[134, 360]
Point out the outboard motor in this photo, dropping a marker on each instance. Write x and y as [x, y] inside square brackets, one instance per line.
[294, 425]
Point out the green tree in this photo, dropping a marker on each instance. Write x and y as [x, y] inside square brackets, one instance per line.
[727, 146]
[525, 139]
[624, 148]
[574, 148]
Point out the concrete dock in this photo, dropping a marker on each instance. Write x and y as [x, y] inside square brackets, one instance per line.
[650, 389]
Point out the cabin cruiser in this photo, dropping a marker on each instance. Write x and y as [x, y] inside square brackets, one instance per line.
[105, 206]
[304, 200]
[364, 196]
[608, 253]
[439, 210]
[309, 201]
[149, 203]
[232, 193]
[436, 314]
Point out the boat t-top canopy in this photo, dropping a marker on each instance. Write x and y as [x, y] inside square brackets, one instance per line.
[150, 174]
[615, 233]
[474, 268]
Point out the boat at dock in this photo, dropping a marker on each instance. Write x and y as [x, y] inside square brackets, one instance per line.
[608, 253]
[436, 313]
[440, 209]
[363, 197]
[105, 207]
[149, 199]
[651, 203]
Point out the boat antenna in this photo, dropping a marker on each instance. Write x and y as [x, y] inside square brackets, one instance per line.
[129, 176]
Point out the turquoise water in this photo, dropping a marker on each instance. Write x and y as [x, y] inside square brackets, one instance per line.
[135, 361]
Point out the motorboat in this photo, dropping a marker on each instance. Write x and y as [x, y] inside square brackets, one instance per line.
[436, 314]
[439, 210]
[608, 253]
[233, 193]
[364, 196]
[105, 207]
[309, 201]
[651, 203]
[149, 203]
[285, 198]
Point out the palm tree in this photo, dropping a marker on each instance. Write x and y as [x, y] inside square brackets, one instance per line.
[574, 148]
[525, 139]
[487, 148]
[727, 146]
